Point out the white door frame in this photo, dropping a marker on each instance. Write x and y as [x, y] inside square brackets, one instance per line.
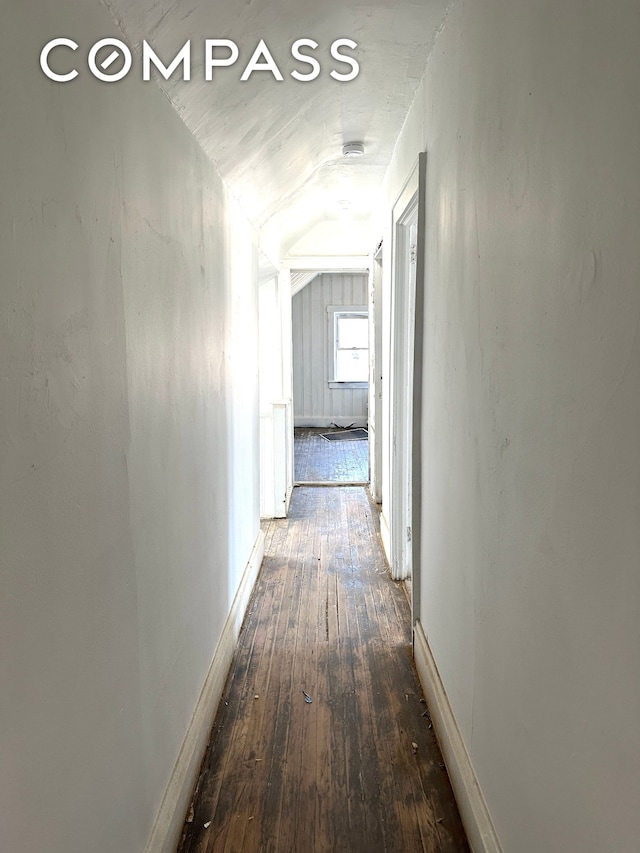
[401, 355]
[376, 420]
[276, 409]
[405, 386]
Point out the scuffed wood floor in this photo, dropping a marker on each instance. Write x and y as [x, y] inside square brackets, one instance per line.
[341, 773]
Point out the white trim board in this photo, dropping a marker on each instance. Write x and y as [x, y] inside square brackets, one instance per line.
[169, 823]
[385, 535]
[473, 809]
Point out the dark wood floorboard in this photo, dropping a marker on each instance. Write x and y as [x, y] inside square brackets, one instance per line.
[341, 773]
[318, 460]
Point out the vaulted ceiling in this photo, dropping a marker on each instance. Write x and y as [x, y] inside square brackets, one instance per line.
[278, 144]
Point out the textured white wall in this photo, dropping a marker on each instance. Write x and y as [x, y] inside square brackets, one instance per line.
[315, 403]
[338, 238]
[530, 116]
[128, 439]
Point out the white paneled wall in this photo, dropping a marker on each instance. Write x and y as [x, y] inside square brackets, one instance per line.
[315, 403]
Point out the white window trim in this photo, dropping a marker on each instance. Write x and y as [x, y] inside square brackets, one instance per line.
[333, 311]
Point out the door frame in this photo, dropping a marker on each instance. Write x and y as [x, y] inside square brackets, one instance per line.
[407, 311]
[377, 432]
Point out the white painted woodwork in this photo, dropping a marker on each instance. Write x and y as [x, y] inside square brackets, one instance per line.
[397, 507]
[169, 823]
[276, 408]
[277, 428]
[470, 799]
[315, 402]
[267, 466]
[377, 435]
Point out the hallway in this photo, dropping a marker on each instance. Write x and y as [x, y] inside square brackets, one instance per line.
[221, 201]
[340, 773]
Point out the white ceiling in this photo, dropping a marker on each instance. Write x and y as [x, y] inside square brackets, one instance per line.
[278, 145]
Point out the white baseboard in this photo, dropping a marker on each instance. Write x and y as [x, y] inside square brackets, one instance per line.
[167, 829]
[471, 803]
[323, 422]
[385, 535]
[287, 502]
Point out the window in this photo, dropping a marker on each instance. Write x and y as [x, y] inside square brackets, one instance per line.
[349, 330]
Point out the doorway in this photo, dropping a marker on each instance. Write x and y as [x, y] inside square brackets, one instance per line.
[330, 326]
[402, 491]
[402, 325]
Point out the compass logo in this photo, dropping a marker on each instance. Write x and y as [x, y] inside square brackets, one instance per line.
[110, 60]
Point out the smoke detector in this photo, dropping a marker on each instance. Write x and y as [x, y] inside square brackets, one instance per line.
[353, 149]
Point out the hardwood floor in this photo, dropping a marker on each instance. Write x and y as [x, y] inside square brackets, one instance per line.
[319, 460]
[358, 768]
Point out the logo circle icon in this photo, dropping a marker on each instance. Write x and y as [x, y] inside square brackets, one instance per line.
[99, 69]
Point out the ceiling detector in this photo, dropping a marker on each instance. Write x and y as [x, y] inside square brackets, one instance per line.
[353, 149]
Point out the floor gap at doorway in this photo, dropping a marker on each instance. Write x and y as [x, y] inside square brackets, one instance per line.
[357, 769]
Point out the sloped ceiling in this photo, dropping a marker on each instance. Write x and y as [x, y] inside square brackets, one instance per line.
[278, 145]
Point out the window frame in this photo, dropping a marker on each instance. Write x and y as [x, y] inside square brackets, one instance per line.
[334, 312]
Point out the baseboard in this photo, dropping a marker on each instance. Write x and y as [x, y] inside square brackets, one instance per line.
[167, 828]
[385, 535]
[322, 422]
[471, 803]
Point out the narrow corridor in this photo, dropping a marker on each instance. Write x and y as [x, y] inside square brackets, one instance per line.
[357, 768]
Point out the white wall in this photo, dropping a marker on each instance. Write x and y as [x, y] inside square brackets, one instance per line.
[314, 402]
[530, 588]
[128, 439]
[346, 238]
